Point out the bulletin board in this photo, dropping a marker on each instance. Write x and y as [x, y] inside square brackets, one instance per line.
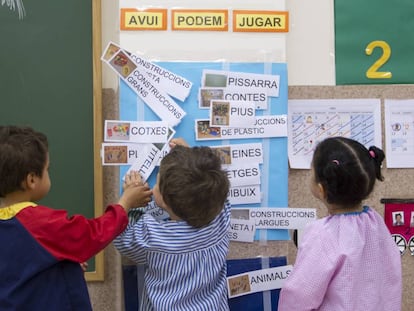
[152, 30]
[49, 81]
[274, 169]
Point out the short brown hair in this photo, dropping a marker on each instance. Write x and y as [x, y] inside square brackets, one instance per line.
[22, 151]
[193, 184]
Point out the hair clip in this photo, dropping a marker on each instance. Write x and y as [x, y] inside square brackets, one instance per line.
[335, 161]
[372, 154]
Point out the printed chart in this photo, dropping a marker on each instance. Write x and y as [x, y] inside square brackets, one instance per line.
[399, 131]
[311, 121]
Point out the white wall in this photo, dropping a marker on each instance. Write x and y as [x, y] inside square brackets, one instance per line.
[308, 47]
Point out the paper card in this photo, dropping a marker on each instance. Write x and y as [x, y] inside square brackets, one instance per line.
[156, 211]
[240, 153]
[164, 151]
[146, 163]
[122, 153]
[137, 132]
[243, 174]
[173, 84]
[264, 127]
[260, 99]
[399, 133]
[207, 94]
[142, 84]
[240, 81]
[165, 148]
[149, 159]
[241, 230]
[232, 113]
[257, 281]
[245, 195]
[281, 218]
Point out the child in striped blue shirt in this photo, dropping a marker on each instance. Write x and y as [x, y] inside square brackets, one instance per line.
[185, 256]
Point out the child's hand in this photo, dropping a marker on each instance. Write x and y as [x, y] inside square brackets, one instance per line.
[136, 193]
[84, 266]
[132, 179]
[178, 141]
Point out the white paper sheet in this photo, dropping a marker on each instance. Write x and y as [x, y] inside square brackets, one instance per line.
[312, 120]
[399, 133]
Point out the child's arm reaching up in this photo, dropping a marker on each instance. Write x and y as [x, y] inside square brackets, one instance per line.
[135, 192]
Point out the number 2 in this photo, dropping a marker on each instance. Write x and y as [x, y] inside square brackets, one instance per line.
[372, 72]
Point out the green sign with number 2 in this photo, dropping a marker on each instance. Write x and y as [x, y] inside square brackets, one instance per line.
[374, 42]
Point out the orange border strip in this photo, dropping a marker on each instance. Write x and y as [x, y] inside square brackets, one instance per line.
[245, 12]
[224, 12]
[164, 13]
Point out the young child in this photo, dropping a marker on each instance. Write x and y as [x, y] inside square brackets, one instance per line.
[43, 248]
[346, 261]
[185, 256]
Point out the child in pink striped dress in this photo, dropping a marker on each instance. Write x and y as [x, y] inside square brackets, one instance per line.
[346, 261]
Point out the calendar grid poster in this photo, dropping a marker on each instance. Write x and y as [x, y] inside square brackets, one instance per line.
[311, 121]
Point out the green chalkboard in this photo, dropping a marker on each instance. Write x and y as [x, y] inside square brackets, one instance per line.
[47, 82]
[374, 42]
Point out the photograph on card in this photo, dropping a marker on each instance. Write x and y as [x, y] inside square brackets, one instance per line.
[115, 154]
[206, 132]
[207, 94]
[240, 213]
[220, 113]
[239, 285]
[224, 153]
[110, 51]
[117, 131]
[214, 79]
[122, 64]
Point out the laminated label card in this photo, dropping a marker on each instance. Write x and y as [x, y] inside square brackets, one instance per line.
[257, 281]
[232, 113]
[241, 230]
[137, 132]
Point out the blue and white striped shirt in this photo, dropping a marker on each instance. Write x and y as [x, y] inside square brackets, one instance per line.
[185, 266]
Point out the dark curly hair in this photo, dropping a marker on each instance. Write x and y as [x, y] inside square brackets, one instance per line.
[193, 184]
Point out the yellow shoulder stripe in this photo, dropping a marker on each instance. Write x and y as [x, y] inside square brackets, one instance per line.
[9, 212]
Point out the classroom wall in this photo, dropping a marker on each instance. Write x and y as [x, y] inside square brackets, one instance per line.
[310, 65]
[107, 295]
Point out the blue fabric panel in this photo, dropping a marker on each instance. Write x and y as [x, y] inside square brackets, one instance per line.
[255, 301]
